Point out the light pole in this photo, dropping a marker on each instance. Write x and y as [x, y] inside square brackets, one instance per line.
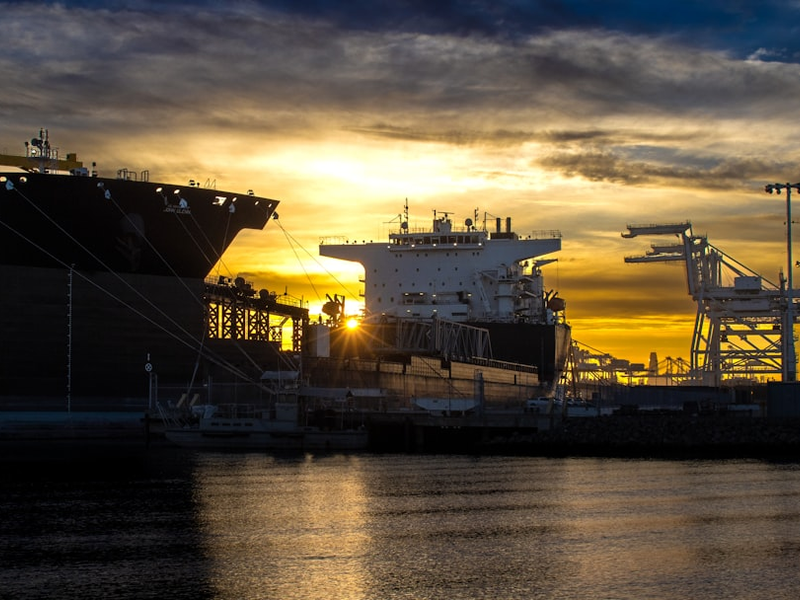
[788, 359]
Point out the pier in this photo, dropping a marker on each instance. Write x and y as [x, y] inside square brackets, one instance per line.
[425, 432]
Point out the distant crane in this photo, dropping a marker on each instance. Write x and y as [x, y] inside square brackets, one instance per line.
[590, 365]
[735, 307]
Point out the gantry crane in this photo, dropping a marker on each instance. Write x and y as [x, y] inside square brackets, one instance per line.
[740, 315]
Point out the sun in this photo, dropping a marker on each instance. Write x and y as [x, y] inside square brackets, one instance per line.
[352, 323]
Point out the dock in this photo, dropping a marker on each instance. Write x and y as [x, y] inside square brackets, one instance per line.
[414, 431]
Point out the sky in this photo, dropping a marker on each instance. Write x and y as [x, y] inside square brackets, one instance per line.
[580, 116]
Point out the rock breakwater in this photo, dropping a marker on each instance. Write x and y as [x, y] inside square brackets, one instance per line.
[661, 436]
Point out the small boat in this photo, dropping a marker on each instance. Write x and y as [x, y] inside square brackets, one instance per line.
[542, 405]
[240, 427]
[447, 406]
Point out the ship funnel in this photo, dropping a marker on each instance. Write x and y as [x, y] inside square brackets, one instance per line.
[497, 225]
[508, 224]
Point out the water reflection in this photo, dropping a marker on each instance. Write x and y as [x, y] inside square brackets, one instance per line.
[283, 527]
[379, 527]
[650, 528]
[217, 526]
[460, 527]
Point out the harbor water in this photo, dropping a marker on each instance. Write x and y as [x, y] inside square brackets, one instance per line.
[167, 523]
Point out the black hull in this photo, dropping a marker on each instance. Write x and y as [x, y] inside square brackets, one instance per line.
[394, 383]
[542, 346]
[86, 343]
[100, 274]
[121, 226]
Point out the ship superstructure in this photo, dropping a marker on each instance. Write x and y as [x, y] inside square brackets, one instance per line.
[461, 274]
[460, 294]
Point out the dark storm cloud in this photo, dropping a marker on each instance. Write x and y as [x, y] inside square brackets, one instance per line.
[564, 75]
[504, 137]
[713, 23]
[499, 137]
[743, 26]
[171, 56]
[606, 165]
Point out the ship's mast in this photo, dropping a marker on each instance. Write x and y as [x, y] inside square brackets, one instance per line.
[44, 152]
[41, 156]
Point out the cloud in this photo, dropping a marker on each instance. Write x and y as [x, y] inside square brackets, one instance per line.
[456, 137]
[575, 115]
[274, 69]
[609, 165]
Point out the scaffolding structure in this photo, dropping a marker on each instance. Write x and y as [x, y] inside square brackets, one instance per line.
[235, 311]
[741, 316]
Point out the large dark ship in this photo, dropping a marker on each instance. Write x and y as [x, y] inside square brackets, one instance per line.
[450, 313]
[103, 279]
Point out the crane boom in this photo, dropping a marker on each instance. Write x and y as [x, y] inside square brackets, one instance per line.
[674, 228]
[735, 306]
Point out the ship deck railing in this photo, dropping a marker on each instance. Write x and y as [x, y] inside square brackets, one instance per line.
[501, 364]
[226, 287]
[340, 240]
[385, 365]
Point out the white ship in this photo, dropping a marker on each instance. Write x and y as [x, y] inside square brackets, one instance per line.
[449, 312]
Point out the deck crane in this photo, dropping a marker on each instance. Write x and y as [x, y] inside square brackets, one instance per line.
[740, 315]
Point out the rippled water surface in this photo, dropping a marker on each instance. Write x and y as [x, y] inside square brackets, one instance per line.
[170, 524]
